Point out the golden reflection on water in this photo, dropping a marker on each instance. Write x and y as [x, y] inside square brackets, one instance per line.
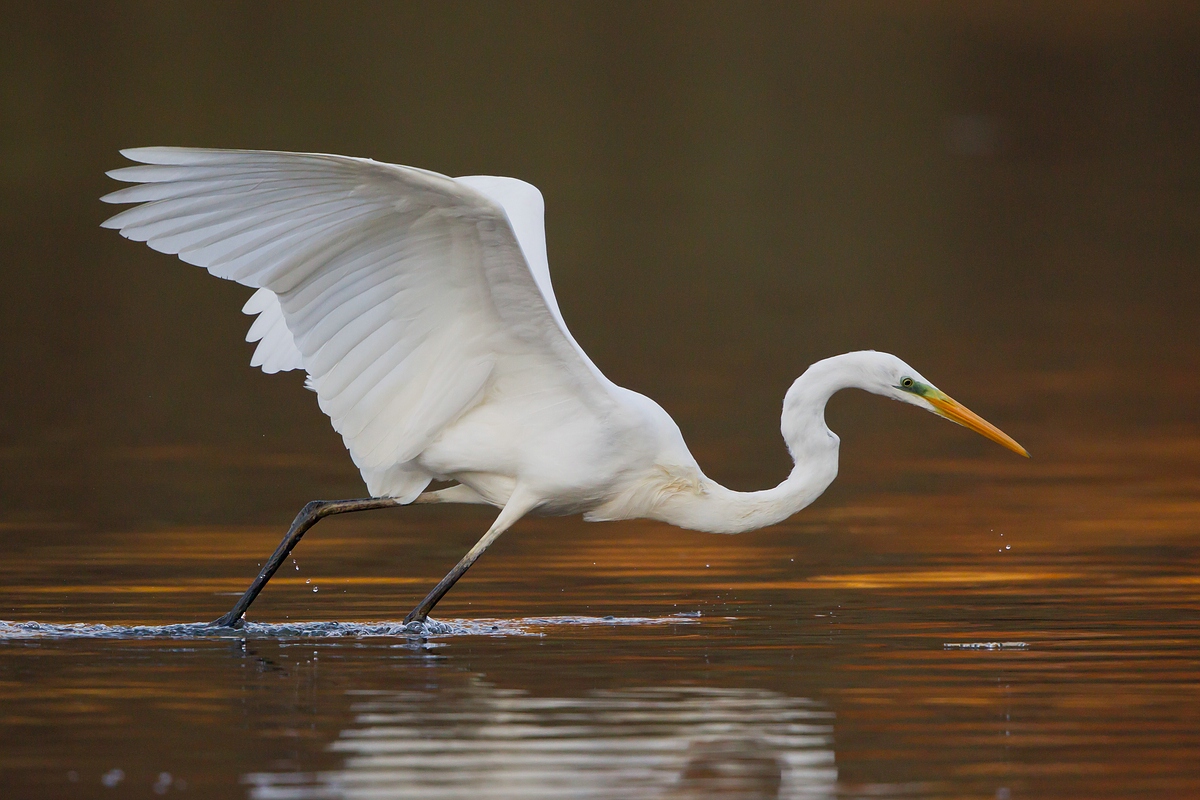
[851, 605]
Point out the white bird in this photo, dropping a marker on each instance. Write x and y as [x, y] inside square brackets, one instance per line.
[420, 307]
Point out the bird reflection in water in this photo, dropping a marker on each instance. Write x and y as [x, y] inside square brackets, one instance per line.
[481, 742]
[731, 769]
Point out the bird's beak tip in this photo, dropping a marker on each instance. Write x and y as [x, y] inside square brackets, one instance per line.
[951, 409]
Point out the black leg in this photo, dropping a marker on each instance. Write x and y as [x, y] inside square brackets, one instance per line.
[308, 516]
[421, 612]
[518, 504]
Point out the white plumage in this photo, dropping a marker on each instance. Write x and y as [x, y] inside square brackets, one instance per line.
[276, 351]
[421, 308]
[407, 296]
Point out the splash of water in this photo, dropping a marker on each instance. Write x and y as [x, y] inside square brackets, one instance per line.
[529, 626]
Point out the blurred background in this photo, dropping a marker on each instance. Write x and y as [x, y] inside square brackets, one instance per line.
[1004, 194]
[1007, 195]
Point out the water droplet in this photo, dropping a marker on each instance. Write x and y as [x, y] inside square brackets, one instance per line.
[308, 580]
[314, 588]
[1008, 547]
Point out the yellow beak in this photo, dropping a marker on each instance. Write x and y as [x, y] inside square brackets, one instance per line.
[954, 411]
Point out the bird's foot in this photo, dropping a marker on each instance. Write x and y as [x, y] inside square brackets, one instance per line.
[228, 621]
[426, 627]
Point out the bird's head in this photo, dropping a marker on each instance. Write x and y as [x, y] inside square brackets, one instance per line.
[889, 376]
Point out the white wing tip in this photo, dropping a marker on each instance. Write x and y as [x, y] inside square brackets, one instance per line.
[258, 302]
[163, 155]
[153, 155]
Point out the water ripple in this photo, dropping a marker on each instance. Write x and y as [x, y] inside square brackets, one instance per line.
[528, 626]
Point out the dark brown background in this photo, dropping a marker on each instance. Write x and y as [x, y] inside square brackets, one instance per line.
[1007, 195]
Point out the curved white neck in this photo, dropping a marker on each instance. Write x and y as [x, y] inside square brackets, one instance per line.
[813, 447]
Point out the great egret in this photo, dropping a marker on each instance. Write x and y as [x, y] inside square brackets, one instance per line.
[421, 308]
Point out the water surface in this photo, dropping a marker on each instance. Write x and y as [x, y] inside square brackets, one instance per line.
[1033, 635]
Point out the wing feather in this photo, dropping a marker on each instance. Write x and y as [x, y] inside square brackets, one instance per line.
[401, 292]
[276, 351]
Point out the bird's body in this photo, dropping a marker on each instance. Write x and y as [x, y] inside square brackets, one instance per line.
[632, 464]
[421, 308]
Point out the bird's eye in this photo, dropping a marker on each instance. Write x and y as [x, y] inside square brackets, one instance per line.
[907, 383]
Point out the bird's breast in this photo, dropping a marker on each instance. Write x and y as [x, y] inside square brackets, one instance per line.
[574, 464]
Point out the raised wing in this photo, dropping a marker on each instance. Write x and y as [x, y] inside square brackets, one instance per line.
[403, 292]
[523, 205]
